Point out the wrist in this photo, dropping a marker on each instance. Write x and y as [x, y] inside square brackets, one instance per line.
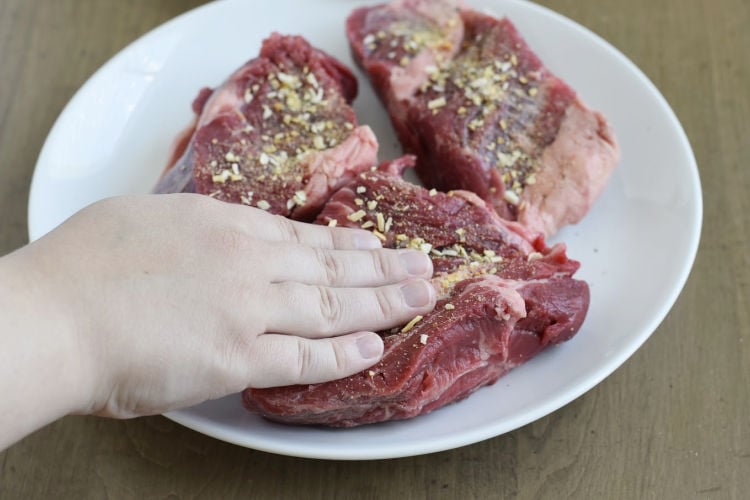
[50, 365]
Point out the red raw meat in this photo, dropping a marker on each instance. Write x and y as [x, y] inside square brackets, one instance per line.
[481, 112]
[503, 297]
[279, 134]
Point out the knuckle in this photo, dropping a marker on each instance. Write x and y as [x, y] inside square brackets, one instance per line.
[385, 304]
[340, 358]
[332, 267]
[383, 264]
[330, 310]
[292, 231]
[318, 362]
[305, 361]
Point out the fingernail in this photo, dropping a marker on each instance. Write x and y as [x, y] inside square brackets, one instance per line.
[370, 346]
[364, 240]
[416, 263]
[417, 293]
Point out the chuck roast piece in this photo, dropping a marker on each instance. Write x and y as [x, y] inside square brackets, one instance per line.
[481, 112]
[279, 134]
[503, 297]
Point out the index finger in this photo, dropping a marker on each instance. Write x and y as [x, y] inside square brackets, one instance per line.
[275, 228]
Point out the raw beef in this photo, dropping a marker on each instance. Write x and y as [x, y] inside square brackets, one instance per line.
[503, 297]
[279, 134]
[481, 112]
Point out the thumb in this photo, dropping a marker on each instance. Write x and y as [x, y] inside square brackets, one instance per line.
[280, 360]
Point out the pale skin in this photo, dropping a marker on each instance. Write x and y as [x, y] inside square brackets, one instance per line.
[140, 305]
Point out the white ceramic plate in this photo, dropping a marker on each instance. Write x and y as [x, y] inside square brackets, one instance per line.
[637, 245]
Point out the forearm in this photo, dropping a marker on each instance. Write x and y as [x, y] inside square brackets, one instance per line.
[40, 375]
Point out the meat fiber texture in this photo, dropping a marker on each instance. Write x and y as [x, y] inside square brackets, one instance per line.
[279, 134]
[503, 297]
[481, 112]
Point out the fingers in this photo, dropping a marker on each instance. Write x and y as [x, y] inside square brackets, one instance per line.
[346, 268]
[317, 311]
[286, 360]
[268, 227]
[260, 225]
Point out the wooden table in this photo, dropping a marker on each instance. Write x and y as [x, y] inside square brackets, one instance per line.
[673, 422]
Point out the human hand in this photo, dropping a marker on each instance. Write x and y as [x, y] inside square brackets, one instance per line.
[171, 300]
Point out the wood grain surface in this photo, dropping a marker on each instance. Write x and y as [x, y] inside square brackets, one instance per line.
[672, 422]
